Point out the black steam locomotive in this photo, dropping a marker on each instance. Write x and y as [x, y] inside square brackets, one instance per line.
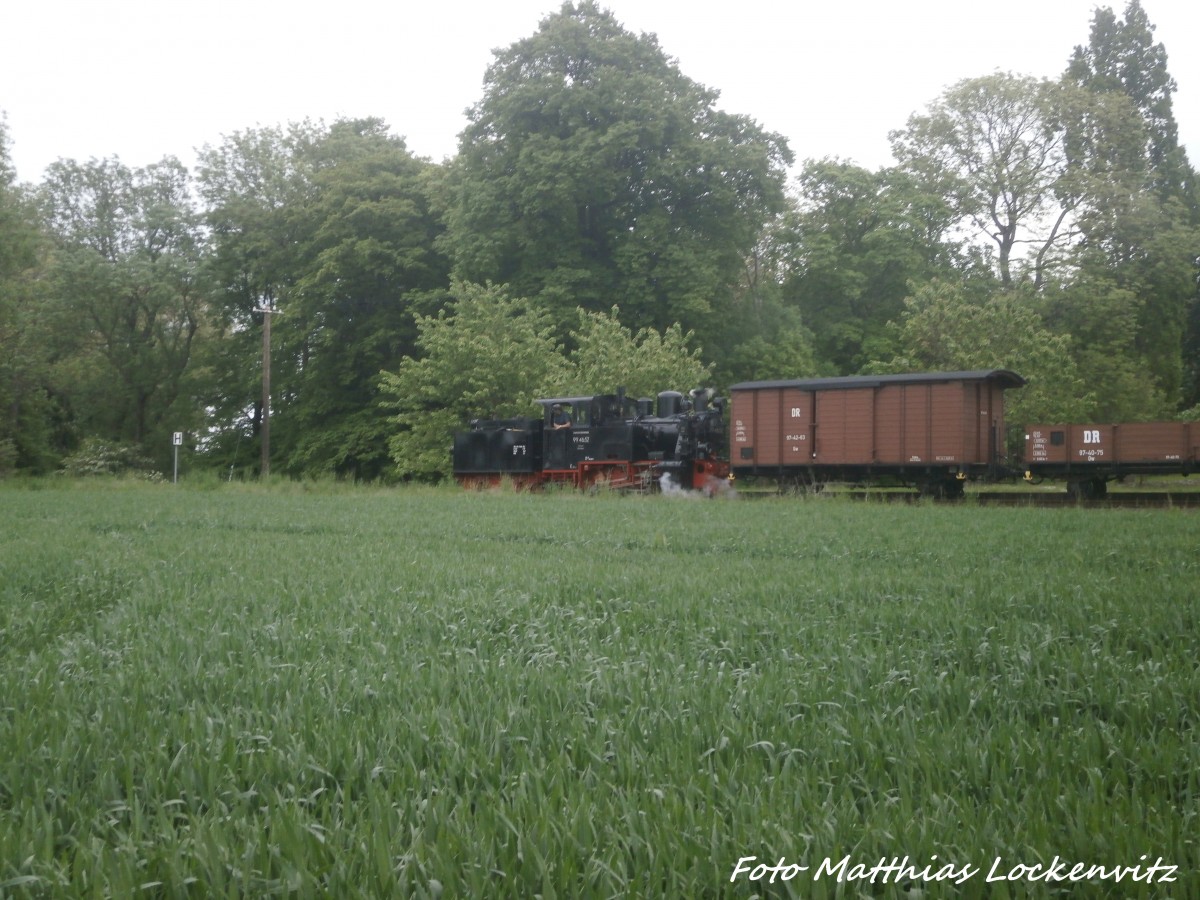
[606, 440]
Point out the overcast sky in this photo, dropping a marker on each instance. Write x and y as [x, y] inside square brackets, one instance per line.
[144, 79]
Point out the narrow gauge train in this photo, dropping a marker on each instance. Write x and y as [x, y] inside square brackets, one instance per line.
[934, 431]
[605, 440]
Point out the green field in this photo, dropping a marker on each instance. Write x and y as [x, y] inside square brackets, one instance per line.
[353, 692]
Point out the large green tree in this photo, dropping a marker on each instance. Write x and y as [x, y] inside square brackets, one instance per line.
[26, 441]
[332, 228]
[1059, 178]
[128, 295]
[1121, 57]
[249, 182]
[366, 239]
[764, 335]
[593, 172]
[1100, 320]
[1143, 234]
[994, 149]
[607, 355]
[855, 242]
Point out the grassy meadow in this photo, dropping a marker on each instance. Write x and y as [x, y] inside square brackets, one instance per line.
[327, 691]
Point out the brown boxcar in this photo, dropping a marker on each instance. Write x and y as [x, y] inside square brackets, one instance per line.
[933, 430]
[1089, 456]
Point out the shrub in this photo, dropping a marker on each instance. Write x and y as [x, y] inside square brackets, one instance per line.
[100, 457]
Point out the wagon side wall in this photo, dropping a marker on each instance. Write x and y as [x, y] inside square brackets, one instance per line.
[892, 427]
[844, 427]
[925, 424]
[1112, 449]
[772, 427]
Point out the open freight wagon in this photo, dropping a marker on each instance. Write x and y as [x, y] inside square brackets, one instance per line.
[933, 431]
[1088, 456]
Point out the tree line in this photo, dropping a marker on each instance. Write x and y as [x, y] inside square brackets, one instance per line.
[604, 222]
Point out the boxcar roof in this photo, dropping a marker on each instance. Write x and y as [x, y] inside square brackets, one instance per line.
[1005, 377]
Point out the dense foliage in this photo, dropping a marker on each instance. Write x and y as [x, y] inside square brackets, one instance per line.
[605, 223]
[594, 172]
[26, 409]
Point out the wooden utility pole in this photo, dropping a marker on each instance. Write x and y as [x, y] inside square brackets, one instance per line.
[265, 425]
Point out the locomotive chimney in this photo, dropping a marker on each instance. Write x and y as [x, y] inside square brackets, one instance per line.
[700, 398]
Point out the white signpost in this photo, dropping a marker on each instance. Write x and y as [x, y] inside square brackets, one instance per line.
[176, 440]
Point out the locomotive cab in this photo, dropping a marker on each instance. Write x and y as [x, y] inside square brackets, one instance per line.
[598, 429]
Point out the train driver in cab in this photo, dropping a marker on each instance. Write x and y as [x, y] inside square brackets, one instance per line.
[559, 418]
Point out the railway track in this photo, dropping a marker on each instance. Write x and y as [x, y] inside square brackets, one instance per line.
[1118, 500]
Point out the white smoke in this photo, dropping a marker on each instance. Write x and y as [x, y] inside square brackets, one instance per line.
[672, 488]
[712, 487]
